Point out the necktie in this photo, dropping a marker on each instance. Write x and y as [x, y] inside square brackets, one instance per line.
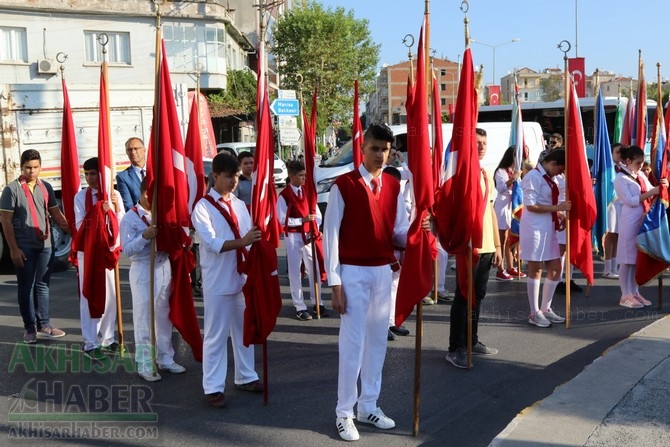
[233, 216]
[143, 173]
[554, 200]
[375, 187]
[300, 194]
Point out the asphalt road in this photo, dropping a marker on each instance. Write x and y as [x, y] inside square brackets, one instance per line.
[457, 407]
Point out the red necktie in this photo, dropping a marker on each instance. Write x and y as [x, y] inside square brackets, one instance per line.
[300, 194]
[233, 216]
[554, 200]
[375, 188]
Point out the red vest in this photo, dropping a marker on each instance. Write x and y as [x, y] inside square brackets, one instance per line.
[366, 237]
[295, 208]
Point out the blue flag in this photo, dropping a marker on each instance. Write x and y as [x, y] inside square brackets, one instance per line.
[603, 172]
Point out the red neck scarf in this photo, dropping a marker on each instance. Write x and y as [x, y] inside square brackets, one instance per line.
[554, 198]
[30, 198]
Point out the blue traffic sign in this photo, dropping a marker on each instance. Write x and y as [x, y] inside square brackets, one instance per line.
[285, 107]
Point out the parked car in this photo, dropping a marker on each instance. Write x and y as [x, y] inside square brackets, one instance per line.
[280, 173]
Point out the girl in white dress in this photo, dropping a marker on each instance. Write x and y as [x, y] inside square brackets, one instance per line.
[538, 245]
[634, 192]
[504, 177]
[610, 269]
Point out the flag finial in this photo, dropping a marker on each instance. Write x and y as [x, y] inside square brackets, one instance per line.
[465, 7]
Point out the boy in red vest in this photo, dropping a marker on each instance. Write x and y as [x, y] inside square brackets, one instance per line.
[365, 218]
[294, 216]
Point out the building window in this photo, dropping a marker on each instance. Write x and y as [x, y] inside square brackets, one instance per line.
[13, 44]
[443, 72]
[118, 47]
[525, 96]
[191, 46]
[443, 87]
[443, 101]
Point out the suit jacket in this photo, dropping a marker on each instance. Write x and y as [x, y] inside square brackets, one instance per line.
[128, 185]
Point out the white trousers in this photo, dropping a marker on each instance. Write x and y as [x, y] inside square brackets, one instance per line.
[104, 326]
[139, 287]
[442, 258]
[297, 251]
[224, 315]
[362, 339]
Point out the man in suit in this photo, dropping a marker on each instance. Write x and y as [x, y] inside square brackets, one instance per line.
[128, 181]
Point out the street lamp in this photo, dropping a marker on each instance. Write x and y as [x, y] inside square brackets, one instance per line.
[516, 39]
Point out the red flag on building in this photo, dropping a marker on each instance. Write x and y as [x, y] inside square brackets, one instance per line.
[166, 175]
[580, 191]
[261, 291]
[577, 69]
[494, 95]
[70, 179]
[193, 149]
[357, 131]
[416, 276]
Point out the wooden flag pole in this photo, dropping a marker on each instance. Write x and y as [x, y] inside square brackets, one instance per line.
[154, 201]
[565, 46]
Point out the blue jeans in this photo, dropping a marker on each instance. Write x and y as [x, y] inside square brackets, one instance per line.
[33, 287]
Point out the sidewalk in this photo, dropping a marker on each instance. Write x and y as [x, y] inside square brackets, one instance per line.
[622, 398]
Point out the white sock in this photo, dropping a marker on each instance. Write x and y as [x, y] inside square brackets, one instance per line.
[615, 267]
[623, 279]
[548, 293]
[608, 266]
[533, 287]
[560, 278]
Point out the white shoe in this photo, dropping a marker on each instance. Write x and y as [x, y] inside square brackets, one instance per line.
[149, 376]
[552, 317]
[610, 275]
[175, 368]
[347, 429]
[377, 418]
[538, 320]
[428, 301]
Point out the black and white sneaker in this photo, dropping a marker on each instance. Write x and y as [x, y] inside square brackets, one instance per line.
[346, 429]
[377, 418]
[303, 315]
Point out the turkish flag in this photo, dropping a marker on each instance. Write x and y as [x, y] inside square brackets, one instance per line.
[357, 131]
[193, 150]
[494, 95]
[577, 69]
[70, 180]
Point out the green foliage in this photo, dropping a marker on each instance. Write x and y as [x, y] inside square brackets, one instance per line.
[329, 48]
[552, 88]
[239, 98]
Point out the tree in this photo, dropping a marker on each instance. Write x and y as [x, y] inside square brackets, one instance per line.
[239, 98]
[552, 88]
[328, 48]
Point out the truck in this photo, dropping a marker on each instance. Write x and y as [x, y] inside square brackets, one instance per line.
[31, 118]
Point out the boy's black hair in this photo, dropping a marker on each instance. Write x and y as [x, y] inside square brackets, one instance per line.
[224, 163]
[557, 155]
[244, 154]
[393, 171]
[91, 163]
[30, 155]
[294, 167]
[380, 132]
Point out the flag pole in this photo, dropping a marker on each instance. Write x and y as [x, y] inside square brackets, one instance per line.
[154, 201]
[659, 92]
[566, 98]
[117, 281]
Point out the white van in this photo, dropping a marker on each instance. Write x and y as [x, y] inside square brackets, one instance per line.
[498, 134]
[280, 173]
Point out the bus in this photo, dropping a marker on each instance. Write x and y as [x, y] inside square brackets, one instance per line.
[551, 116]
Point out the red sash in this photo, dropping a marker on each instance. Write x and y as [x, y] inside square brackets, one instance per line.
[242, 252]
[646, 203]
[554, 199]
[30, 198]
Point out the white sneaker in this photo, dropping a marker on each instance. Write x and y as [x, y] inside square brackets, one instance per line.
[149, 376]
[538, 320]
[610, 275]
[347, 429]
[552, 317]
[175, 368]
[377, 418]
[427, 301]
